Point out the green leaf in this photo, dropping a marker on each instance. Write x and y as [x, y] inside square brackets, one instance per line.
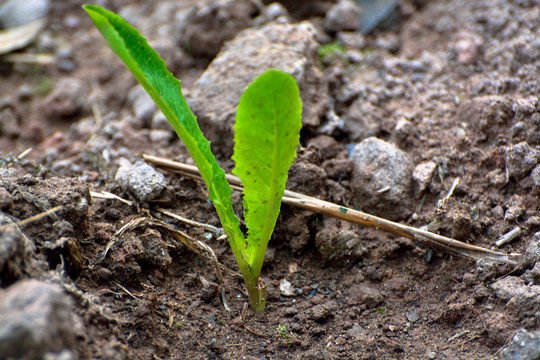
[151, 72]
[267, 133]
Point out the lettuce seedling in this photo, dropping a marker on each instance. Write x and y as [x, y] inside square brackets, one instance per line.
[267, 129]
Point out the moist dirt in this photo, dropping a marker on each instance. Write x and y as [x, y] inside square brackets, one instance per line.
[453, 85]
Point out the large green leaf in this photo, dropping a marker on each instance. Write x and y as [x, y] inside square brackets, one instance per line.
[267, 128]
[151, 72]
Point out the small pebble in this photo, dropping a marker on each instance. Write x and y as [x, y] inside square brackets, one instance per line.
[140, 180]
[378, 166]
[343, 16]
[422, 175]
[520, 160]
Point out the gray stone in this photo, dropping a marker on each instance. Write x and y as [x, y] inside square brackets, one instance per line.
[422, 175]
[288, 47]
[35, 318]
[274, 11]
[532, 254]
[159, 121]
[161, 136]
[66, 100]
[520, 298]
[520, 160]
[382, 179]
[535, 175]
[524, 346]
[14, 251]
[140, 180]
[364, 119]
[142, 104]
[207, 25]
[16, 12]
[343, 16]
[9, 123]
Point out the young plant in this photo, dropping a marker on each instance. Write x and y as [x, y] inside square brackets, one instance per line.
[267, 128]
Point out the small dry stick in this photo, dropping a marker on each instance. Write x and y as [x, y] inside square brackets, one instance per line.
[351, 215]
[509, 236]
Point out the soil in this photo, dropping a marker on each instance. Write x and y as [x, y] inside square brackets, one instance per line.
[453, 83]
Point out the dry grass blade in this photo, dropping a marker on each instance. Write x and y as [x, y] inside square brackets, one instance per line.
[193, 245]
[32, 218]
[354, 216]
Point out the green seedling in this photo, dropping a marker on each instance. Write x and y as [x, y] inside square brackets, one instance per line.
[267, 128]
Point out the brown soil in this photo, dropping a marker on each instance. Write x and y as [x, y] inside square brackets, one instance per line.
[150, 298]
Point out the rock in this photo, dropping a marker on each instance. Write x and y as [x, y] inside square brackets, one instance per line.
[272, 12]
[207, 25]
[15, 12]
[15, 249]
[365, 294]
[161, 136]
[524, 346]
[320, 313]
[522, 299]
[412, 315]
[160, 122]
[525, 106]
[520, 160]
[35, 318]
[6, 200]
[66, 100]
[142, 104]
[486, 115]
[532, 276]
[141, 180]
[364, 119]
[382, 179]
[325, 145]
[422, 175]
[288, 47]
[468, 47]
[337, 240]
[532, 254]
[343, 16]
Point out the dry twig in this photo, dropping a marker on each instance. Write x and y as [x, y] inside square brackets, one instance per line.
[351, 215]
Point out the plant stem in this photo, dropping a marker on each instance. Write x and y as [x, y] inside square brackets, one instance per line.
[257, 296]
